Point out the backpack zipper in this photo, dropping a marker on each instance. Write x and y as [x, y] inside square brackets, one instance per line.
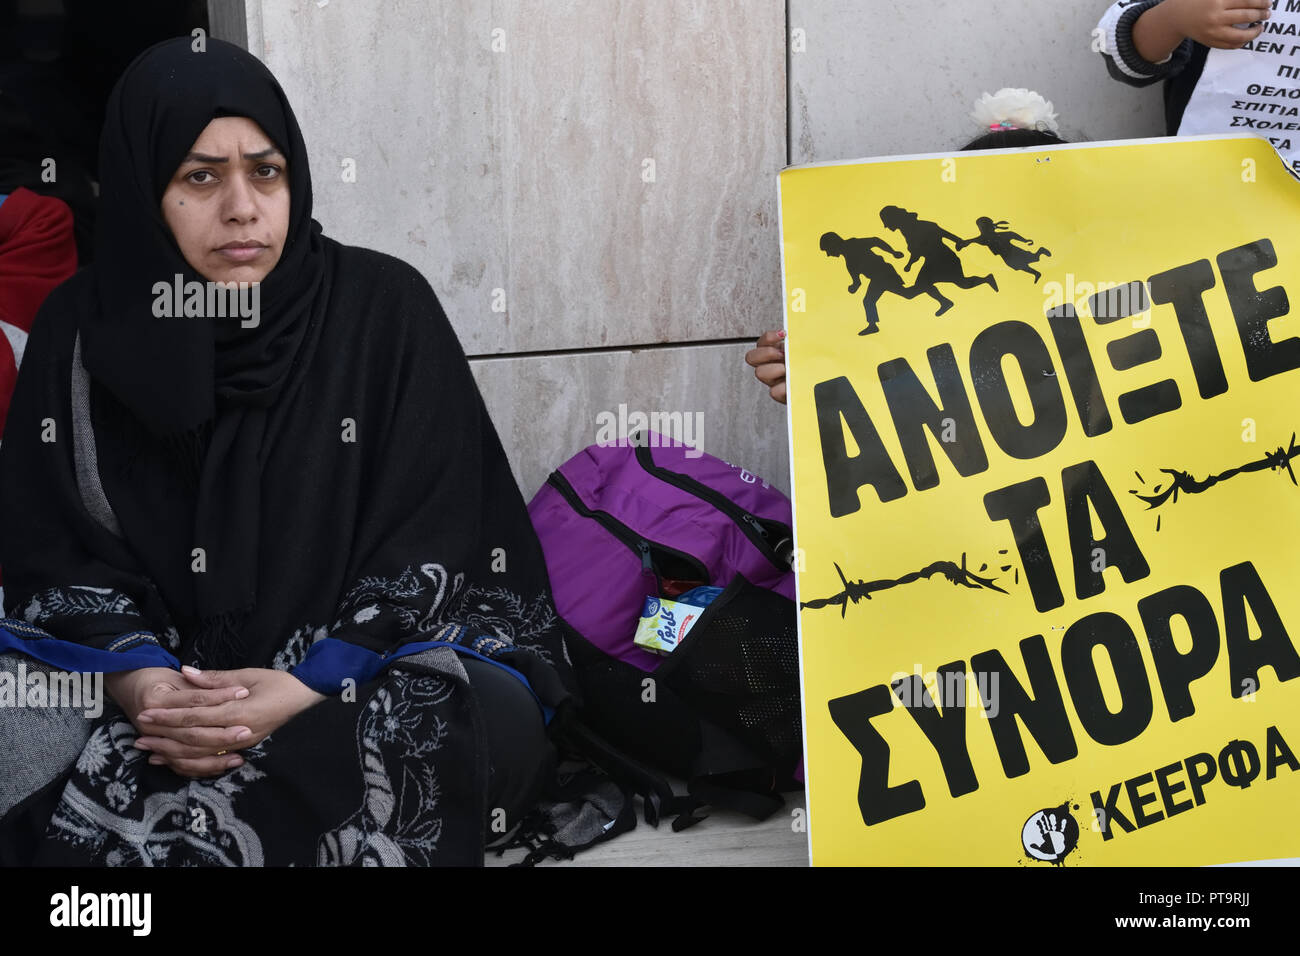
[778, 553]
[642, 546]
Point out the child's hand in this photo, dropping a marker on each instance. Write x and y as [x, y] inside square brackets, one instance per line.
[1211, 21]
[768, 360]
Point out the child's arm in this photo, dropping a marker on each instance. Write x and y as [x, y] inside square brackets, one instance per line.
[1116, 35]
[1146, 40]
[1157, 32]
[881, 244]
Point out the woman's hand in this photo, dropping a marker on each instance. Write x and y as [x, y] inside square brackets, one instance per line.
[768, 359]
[193, 739]
[150, 688]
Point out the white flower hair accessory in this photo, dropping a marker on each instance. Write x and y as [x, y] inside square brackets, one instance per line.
[1015, 109]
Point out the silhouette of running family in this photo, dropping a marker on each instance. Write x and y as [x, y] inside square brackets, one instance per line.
[925, 240]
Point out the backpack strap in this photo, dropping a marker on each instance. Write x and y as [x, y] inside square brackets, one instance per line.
[654, 789]
[712, 791]
[730, 776]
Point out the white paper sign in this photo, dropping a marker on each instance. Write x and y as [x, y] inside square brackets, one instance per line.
[1255, 89]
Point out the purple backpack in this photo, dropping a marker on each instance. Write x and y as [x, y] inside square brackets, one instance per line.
[652, 517]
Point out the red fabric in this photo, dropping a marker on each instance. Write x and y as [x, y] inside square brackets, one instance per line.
[37, 252]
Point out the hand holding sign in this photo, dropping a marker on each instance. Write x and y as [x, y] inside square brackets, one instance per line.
[1224, 24]
[768, 361]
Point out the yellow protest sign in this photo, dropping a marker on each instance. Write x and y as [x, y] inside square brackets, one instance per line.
[1044, 408]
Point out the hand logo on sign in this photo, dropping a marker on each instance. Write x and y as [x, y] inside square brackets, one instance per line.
[1050, 834]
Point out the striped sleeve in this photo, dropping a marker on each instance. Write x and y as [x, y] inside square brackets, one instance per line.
[1114, 38]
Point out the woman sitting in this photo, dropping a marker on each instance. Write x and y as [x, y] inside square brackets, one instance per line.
[239, 446]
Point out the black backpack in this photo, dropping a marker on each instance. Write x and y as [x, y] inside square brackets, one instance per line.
[650, 518]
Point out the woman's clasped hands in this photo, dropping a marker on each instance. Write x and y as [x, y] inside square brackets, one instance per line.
[193, 721]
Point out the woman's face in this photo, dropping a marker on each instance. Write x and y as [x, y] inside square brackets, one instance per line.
[227, 204]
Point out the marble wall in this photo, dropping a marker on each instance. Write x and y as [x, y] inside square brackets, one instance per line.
[590, 187]
[885, 78]
[544, 407]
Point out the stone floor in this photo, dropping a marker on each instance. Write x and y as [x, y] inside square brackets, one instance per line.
[724, 839]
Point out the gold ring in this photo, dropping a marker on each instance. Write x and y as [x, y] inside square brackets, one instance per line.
[221, 753]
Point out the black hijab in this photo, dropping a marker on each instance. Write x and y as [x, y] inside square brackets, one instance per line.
[200, 386]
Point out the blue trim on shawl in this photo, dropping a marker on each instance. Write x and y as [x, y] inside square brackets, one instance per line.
[328, 662]
[130, 651]
[331, 661]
